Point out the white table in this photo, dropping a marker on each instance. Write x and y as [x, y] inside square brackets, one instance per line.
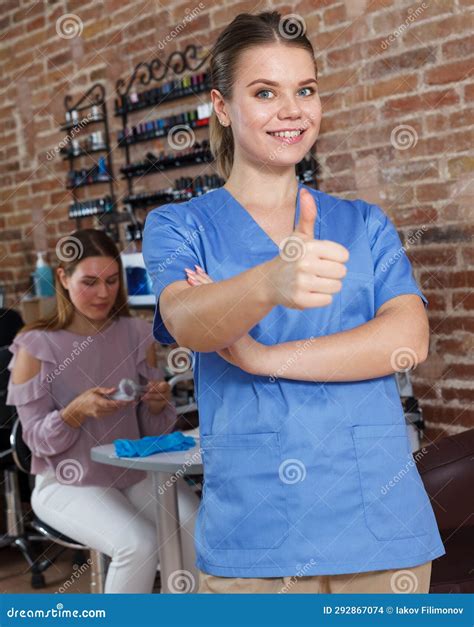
[162, 466]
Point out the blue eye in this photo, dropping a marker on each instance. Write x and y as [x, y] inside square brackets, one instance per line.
[262, 92]
[268, 91]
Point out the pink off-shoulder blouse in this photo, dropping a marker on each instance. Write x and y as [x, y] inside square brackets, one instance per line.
[70, 364]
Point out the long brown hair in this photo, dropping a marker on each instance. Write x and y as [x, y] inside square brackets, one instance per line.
[70, 251]
[245, 31]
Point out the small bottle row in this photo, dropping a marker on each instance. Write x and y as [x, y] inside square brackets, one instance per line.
[93, 142]
[76, 118]
[96, 206]
[160, 127]
[185, 188]
[198, 153]
[306, 170]
[86, 176]
[134, 232]
[172, 90]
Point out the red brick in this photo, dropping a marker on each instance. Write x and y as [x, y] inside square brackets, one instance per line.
[463, 300]
[462, 345]
[437, 122]
[379, 68]
[469, 92]
[448, 279]
[401, 84]
[335, 15]
[455, 416]
[451, 324]
[423, 102]
[432, 191]
[456, 48]
[440, 29]
[339, 163]
[344, 119]
[412, 216]
[450, 73]
[433, 256]
[337, 80]
[463, 395]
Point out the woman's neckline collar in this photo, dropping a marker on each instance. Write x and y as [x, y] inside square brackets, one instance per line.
[101, 333]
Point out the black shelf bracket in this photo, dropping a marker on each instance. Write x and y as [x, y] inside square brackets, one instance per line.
[179, 62]
[95, 96]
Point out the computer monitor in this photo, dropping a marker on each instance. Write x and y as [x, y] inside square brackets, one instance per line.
[137, 280]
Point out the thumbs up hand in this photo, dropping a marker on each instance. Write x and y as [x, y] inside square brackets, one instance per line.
[307, 271]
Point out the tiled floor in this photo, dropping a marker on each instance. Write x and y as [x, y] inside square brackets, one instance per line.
[62, 576]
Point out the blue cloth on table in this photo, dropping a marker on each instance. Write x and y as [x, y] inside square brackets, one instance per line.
[154, 444]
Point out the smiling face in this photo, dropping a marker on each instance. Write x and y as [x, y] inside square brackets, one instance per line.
[275, 90]
[93, 286]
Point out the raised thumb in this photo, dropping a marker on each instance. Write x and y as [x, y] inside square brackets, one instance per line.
[308, 214]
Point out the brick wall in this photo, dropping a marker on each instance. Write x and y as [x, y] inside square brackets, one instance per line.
[397, 130]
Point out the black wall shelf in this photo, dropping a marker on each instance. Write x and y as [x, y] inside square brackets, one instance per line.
[91, 108]
[186, 77]
[169, 92]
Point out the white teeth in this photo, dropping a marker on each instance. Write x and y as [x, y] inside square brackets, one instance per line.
[286, 134]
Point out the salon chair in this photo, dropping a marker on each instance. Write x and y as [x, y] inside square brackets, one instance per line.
[23, 534]
[447, 470]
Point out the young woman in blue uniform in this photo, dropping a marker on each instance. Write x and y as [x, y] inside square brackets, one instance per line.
[305, 308]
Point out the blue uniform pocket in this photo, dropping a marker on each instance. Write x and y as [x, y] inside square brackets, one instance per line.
[243, 498]
[395, 501]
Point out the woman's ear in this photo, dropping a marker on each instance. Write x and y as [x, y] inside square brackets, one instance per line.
[218, 104]
[63, 279]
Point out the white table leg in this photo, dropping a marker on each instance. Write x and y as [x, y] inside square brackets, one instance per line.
[167, 518]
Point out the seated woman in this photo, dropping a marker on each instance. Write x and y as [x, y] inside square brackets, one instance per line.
[63, 370]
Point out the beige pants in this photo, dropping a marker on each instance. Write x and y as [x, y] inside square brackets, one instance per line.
[403, 580]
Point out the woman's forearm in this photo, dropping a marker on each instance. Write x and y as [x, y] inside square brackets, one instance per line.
[210, 317]
[388, 343]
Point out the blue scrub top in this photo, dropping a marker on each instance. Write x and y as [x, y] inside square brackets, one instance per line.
[300, 477]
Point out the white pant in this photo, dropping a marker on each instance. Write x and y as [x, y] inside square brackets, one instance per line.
[119, 523]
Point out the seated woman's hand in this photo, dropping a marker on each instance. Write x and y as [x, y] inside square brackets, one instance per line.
[157, 396]
[92, 403]
[246, 353]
